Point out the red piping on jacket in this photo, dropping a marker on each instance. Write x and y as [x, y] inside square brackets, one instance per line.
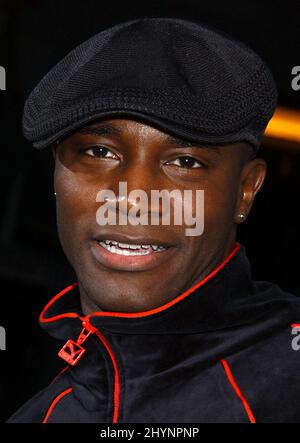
[116, 380]
[42, 319]
[54, 403]
[237, 390]
[60, 373]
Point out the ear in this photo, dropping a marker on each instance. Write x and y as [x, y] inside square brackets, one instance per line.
[252, 178]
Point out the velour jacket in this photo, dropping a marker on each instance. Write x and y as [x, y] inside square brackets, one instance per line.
[223, 351]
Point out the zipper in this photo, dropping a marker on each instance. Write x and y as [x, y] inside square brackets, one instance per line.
[72, 351]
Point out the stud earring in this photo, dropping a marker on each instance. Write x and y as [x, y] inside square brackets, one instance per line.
[55, 194]
[241, 216]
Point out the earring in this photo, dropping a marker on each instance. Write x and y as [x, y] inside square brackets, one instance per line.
[241, 216]
[55, 194]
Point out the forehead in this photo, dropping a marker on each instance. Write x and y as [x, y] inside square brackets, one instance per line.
[121, 127]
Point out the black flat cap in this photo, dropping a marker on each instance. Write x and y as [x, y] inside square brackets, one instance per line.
[179, 75]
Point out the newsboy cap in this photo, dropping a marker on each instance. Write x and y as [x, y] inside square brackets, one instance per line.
[183, 77]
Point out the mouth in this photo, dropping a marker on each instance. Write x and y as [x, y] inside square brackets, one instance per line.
[130, 249]
[130, 255]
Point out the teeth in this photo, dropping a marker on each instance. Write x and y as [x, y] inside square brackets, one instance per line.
[123, 245]
[134, 247]
[129, 249]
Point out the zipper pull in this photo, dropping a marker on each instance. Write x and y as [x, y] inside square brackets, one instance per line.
[72, 351]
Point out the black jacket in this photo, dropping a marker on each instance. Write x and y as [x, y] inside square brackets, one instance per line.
[220, 352]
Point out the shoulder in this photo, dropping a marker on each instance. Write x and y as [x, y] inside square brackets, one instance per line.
[268, 373]
[36, 409]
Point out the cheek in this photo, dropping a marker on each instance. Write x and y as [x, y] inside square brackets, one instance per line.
[219, 206]
[76, 207]
[212, 214]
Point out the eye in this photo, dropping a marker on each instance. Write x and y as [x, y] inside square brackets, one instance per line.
[186, 162]
[100, 152]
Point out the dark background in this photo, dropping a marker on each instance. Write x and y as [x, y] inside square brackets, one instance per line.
[34, 35]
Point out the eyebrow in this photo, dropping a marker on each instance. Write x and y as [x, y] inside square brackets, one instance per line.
[111, 129]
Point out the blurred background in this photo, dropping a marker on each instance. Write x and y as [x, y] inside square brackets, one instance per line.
[36, 34]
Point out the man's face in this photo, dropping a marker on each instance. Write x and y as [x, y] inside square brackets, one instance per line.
[107, 152]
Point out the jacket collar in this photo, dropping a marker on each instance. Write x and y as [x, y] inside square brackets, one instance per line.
[227, 297]
[222, 299]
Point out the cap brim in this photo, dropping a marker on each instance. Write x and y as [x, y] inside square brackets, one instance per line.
[164, 125]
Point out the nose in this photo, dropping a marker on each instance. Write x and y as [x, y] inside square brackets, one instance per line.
[132, 187]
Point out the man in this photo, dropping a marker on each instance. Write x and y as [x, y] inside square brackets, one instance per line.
[162, 326]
